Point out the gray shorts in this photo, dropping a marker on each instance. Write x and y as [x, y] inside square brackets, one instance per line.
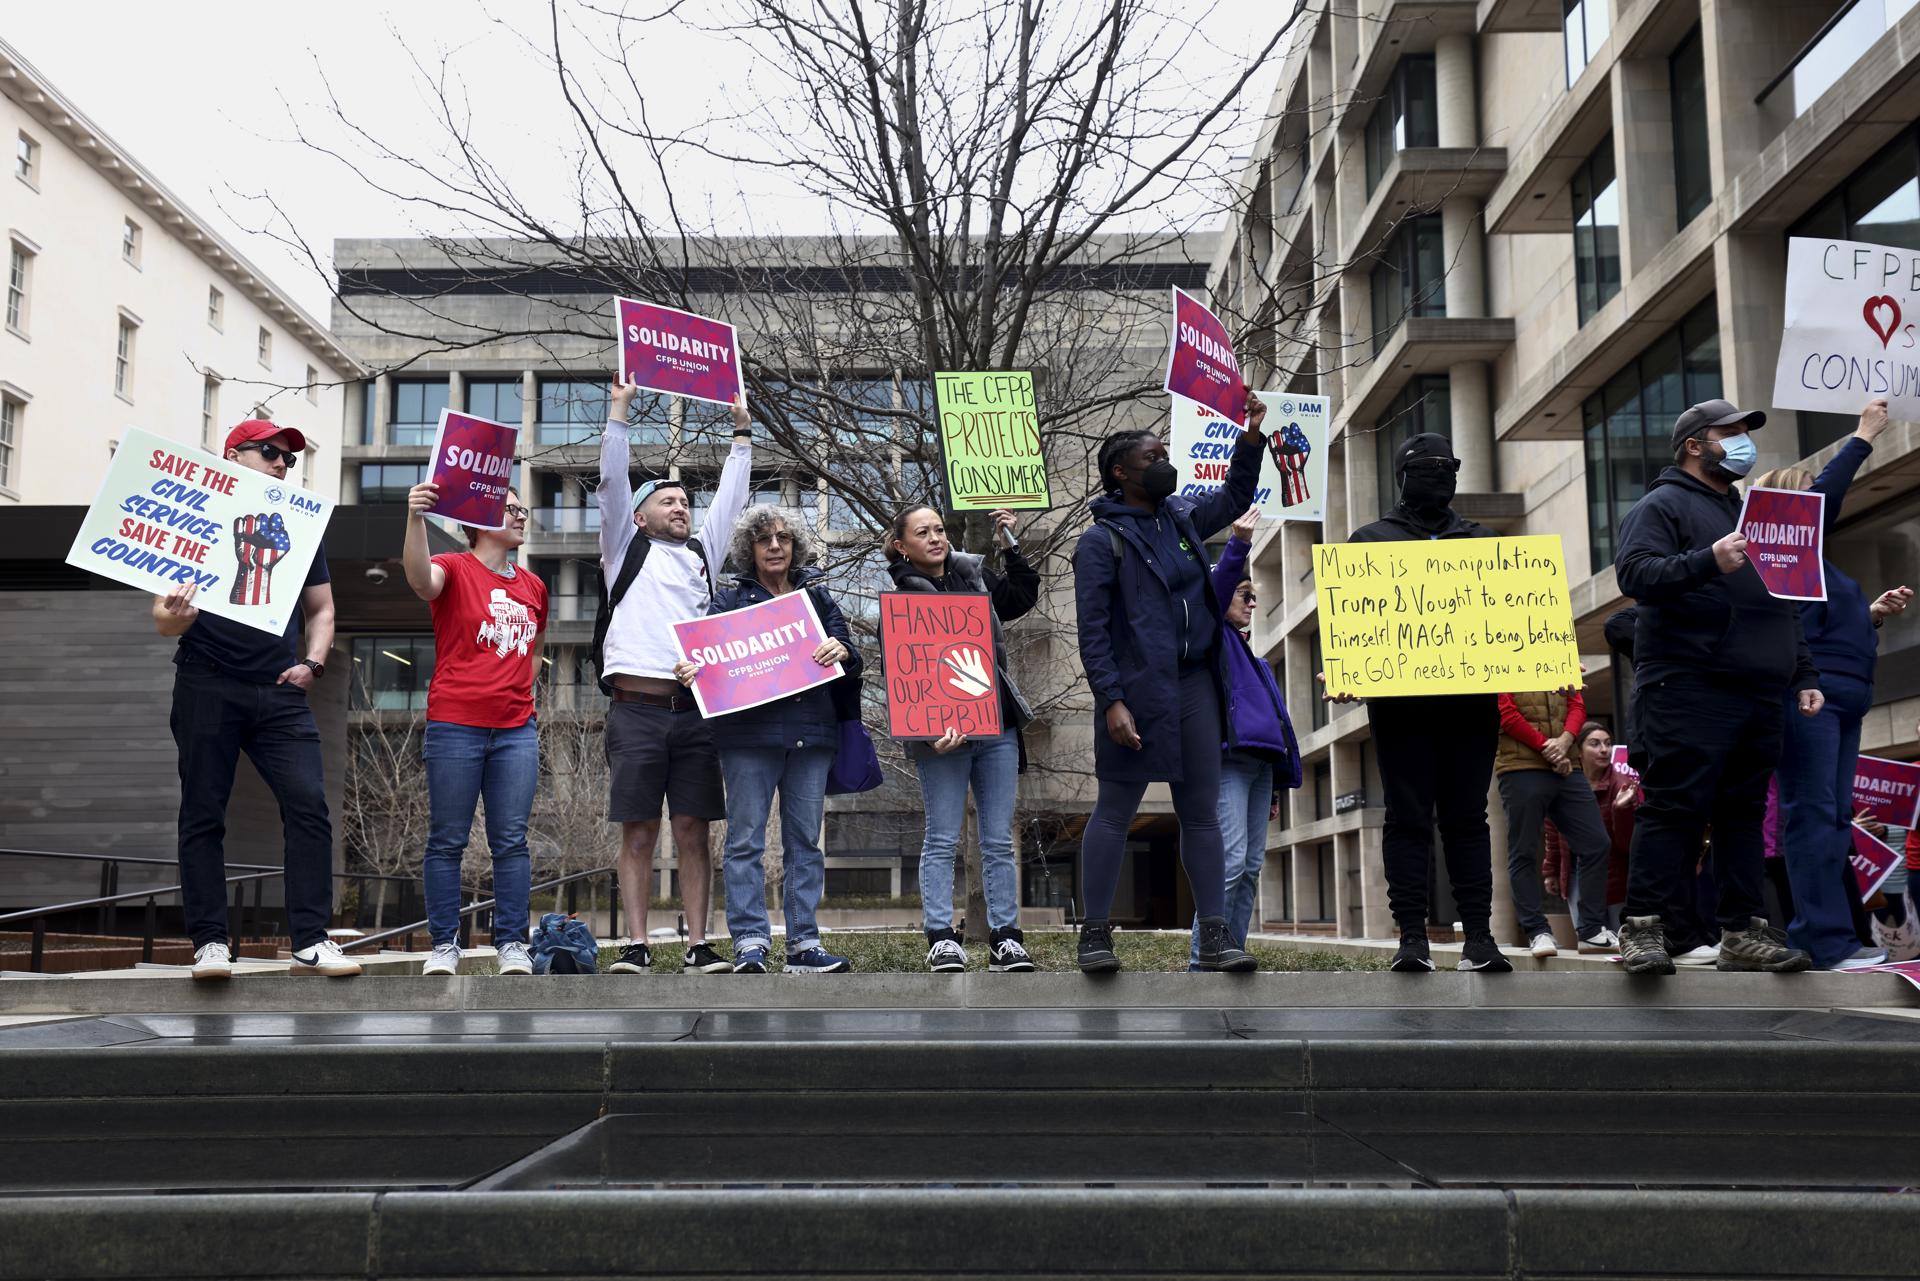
[654, 754]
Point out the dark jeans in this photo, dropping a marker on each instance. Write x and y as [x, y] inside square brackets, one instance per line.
[1436, 758]
[1531, 797]
[1710, 751]
[1196, 800]
[1816, 820]
[215, 718]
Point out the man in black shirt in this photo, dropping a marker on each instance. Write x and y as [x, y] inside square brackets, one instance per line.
[238, 689]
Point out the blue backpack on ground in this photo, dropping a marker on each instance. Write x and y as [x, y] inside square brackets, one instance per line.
[563, 944]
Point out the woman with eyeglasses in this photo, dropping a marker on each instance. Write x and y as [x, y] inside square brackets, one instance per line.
[489, 621]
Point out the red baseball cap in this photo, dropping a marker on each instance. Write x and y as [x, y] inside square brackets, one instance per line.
[264, 429]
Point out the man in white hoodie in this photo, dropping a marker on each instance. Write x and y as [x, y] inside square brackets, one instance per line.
[656, 572]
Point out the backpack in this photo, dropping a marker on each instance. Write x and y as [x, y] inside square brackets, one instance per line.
[563, 944]
[610, 600]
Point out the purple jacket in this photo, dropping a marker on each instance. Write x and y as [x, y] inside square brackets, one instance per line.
[1259, 713]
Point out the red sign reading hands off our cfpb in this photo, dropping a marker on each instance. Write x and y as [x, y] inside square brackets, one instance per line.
[938, 655]
[677, 352]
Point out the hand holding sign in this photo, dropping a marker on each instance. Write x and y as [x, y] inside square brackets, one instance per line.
[1730, 553]
[1890, 604]
[1783, 531]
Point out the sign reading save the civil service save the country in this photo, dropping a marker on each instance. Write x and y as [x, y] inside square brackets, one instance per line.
[990, 442]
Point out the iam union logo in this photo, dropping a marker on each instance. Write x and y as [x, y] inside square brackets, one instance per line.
[275, 493]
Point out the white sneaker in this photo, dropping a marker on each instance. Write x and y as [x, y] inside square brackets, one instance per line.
[1543, 945]
[445, 960]
[1604, 941]
[1902, 941]
[1705, 954]
[325, 958]
[212, 961]
[1865, 957]
[515, 959]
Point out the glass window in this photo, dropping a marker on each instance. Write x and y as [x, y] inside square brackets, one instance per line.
[263, 347]
[1596, 230]
[216, 306]
[1628, 424]
[497, 399]
[11, 412]
[1316, 659]
[130, 242]
[389, 482]
[573, 410]
[313, 385]
[1324, 888]
[360, 424]
[390, 673]
[209, 410]
[417, 403]
[1425, 404]
[1585, 25]
[1687, 87]
[1410, 278]
[19, 272]
[123, 360]
[1408, 115]
[26, 159]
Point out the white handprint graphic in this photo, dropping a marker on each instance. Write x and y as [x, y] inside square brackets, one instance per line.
[967, 673]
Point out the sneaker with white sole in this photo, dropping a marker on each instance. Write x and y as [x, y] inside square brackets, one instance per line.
[1863, 959]
[1704, 955]
[325, 959]
[1007, 953]
[515, 958]
[444, 962]
[816, 960]
[944, 953]
[1543, 946]
[1601, 940]
[212, 961]
[702, 959]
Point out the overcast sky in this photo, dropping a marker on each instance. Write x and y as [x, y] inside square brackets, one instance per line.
[206, 94]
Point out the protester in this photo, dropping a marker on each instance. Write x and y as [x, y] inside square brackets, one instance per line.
[482, 740]
[1845, 891]
[1150, 643]
[656, 573]
[1535, 767]
[1264, 756]
[1817, 763]
[238, 689]
[1715, 656]
[1617, 796]
[1435, 751]
[920, 559]
[785, 746]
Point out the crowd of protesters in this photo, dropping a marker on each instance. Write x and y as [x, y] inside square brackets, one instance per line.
[1730, 814]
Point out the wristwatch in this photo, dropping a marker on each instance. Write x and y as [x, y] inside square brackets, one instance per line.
[318, 669]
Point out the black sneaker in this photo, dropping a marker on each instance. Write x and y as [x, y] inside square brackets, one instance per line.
[1096, 948]
[702, 959]
[1414, 957]
[635, 958]
[1643, 946]
[1760, 948]
[1217, 952]
[1007, 953]
[1483, 955]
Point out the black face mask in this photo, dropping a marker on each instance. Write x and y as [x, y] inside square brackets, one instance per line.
[1159, 479]
[1428, 489]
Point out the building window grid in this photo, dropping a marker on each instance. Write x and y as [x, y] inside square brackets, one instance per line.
[391, 673]
[1585, 24]
[1410, 278]
[216, 307]
[209, 409]
[313, 385]
[123, 360]
[1407, 115]
[11, 412]
[1425, 404]
[26, 159]
[19, 265]
[1687, 91]
[495, 399]
[415, 413]
[130, 243]
[389, 482]
[263, 347]
[1596, 230]
[572, 411]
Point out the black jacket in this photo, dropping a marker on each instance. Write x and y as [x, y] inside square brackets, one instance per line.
[1694, 620]
[1401, 526]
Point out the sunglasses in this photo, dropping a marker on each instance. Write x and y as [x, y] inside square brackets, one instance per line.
[274, 454]
[1434, 464]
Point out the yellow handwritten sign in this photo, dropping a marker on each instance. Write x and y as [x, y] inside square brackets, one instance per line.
[1446, 616]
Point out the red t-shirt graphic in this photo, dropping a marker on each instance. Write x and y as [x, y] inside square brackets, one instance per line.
[484, 625]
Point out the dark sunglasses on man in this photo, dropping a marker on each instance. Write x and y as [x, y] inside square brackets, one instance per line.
[1435, 465]
[272, 453]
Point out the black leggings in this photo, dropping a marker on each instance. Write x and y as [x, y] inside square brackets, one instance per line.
[1196, 800]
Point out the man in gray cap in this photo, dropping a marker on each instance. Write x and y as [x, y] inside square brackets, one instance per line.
[1715, 655]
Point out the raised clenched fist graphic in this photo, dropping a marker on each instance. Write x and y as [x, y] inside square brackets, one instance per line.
[258, 544]
[1290, 449]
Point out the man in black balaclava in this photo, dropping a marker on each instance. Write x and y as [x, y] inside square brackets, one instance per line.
[1435, 751]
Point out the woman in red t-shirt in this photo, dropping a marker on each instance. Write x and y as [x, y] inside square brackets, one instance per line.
[489, 618]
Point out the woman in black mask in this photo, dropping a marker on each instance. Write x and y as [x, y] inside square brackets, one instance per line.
[1149, 639]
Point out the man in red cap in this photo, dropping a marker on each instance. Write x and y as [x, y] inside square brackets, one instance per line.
[238, 689]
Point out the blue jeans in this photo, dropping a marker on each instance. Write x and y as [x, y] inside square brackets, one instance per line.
[1246, 797]
[464, 764]
[753, 774]
[1816, 818]
[992, 767]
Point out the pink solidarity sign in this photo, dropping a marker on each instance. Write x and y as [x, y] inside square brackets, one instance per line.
[754, 655]
[1200, 362]
[1783, 529]
[1887, 790]
[1618, 759]
[1873, 861]
[473, 468]
[677, 352]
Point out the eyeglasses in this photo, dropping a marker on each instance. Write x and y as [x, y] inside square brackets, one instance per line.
[516, 512]
[1434, 464]
[273, 453]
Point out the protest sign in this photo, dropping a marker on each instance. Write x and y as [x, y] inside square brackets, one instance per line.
[1459, 616]
[1849, 336]
[990, 442]
[1908, 970]
[937, 651]
[677, 352]
[754, 655]
[1620, 766]
[1873, 861]
[1887, 790]
[1293, 474]
[1200, 361]
[166, 515]
[473, 468]
[1783, 530]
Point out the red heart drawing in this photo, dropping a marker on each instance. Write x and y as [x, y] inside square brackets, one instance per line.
[1870, 313]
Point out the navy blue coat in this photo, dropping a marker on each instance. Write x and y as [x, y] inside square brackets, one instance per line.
[1129, 643]
[806, 719]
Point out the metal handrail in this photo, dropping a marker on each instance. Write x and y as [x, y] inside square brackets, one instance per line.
[122, 858]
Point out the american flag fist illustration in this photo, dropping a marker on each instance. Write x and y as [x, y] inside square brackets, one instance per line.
[1290, 450]
[258, 544]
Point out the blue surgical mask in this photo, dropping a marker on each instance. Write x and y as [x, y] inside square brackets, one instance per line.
[1741, 454]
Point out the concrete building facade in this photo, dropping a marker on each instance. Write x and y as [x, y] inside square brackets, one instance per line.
[1543, 228]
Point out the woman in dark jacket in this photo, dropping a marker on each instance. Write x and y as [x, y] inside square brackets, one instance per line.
[1150, 643]
[785, 746]
[1817, 762]
[922, 560]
